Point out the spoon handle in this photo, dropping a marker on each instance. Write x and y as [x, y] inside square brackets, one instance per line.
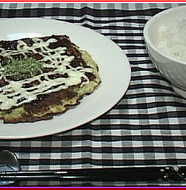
[104, 174]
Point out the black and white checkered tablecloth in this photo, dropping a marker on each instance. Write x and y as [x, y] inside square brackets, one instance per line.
[147, 127]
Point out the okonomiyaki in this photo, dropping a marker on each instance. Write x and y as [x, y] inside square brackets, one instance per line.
[43, 76]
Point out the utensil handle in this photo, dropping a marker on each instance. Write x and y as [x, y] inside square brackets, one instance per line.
[41, 177]
[107, 174]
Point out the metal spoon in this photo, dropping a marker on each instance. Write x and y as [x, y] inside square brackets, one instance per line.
[8, 162]
[10, 171]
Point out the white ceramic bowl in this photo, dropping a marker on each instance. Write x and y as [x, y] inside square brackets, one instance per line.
[171, 67]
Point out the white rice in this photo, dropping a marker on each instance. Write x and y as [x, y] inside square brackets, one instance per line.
[172, 40]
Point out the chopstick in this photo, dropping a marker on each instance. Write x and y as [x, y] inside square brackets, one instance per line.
[103, 174]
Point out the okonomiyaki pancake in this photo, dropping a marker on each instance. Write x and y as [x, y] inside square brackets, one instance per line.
[43, 76]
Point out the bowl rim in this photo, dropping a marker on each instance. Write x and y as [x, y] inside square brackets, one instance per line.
[148, 25]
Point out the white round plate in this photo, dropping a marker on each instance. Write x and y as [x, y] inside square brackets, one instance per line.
[113, 65]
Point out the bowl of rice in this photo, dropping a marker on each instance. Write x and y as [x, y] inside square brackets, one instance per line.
[165, 38]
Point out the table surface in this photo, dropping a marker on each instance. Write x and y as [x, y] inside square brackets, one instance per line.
[146, 128]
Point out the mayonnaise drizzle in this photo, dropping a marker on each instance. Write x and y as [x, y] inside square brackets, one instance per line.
[14, 94]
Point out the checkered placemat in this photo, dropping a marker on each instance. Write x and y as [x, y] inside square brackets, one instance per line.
[147, 127]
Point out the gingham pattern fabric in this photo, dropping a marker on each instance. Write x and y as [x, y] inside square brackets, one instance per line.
[147, 127]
